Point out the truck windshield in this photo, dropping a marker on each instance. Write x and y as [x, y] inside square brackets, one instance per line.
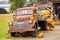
[41, 8]
[21, 12]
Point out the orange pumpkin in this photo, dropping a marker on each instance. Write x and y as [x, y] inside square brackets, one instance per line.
[32, 18]
[47, 28]
[40, 35]
[51, 29]
[46, 13]
[52, 23]
[48, 20]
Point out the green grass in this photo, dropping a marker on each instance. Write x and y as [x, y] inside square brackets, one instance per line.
[4, 19]
[3, 28]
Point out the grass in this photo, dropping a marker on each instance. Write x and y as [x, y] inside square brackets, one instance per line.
[4, 19]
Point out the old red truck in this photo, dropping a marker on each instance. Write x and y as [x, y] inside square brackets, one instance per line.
[24, 20]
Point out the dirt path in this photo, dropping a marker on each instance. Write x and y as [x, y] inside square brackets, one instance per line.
[53, 35]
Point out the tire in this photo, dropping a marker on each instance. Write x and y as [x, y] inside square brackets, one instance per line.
[34, 34]
[13, 34]
[35, 30]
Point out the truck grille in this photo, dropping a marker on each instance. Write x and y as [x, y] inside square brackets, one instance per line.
[20, 25]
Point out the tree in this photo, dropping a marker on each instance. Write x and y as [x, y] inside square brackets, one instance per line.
[16, 4]
[31, 1]
[42, 0]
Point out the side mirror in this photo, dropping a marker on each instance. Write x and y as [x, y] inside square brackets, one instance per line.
[14, 14]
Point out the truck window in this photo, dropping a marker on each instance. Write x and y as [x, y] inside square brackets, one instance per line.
[21, 12]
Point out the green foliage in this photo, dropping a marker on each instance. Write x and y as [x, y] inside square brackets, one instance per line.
[16, 4]
[40, 0]
[31, 1]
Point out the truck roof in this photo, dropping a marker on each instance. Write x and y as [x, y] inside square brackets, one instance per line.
[26, 8]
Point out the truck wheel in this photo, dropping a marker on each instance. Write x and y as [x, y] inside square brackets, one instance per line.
[34, 34]
[13, 34]
[35, 30]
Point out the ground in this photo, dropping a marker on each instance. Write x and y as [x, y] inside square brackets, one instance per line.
[4, 35]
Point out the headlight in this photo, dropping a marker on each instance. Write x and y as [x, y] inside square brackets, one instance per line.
[30, 21]
[11, 23]
[41, 13]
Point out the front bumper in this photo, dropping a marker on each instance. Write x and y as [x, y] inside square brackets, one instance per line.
[22, 30]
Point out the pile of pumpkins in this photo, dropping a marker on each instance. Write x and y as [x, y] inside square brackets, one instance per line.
[52, 23]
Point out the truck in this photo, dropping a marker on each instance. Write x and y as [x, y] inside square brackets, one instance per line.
[45, 12]
[24, 21]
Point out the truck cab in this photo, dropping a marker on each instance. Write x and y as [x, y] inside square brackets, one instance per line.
[24, 20]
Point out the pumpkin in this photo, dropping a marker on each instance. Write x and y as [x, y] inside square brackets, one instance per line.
[32, 18]
[52, 23]
[47, 28]
[46, 13]
[48, 20]
[40, 35]
[51, 29]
